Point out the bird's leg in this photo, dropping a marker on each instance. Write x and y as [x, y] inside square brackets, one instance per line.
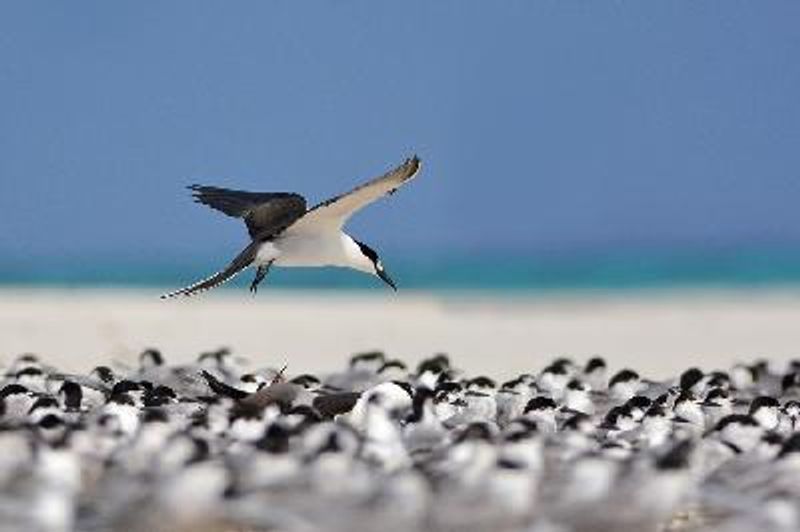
[261, 272]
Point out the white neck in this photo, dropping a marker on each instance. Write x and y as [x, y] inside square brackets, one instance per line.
[354, 257]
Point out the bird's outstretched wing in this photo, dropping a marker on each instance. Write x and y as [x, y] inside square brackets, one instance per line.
[335, 211]
[264, 213]
[242, 261]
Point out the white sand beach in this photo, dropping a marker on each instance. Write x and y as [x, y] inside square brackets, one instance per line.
[655, 332]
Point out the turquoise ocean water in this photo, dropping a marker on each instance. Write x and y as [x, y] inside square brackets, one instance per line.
[502, 272]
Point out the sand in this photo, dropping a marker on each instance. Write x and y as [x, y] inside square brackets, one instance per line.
[659, 333]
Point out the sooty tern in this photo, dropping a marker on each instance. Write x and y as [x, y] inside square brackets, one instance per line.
[285, 233]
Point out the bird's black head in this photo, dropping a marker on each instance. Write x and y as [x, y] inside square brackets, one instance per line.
[380, 271]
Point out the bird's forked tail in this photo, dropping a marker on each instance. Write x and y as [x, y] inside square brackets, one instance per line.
[242, 261]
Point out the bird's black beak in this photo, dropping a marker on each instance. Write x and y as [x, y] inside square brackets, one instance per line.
[385, 277]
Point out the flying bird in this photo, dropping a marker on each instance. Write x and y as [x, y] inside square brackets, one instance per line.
[285, 233]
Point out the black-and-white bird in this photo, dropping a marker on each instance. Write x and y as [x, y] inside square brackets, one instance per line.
[285, 233]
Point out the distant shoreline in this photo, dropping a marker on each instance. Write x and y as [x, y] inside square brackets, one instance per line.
[623, 270]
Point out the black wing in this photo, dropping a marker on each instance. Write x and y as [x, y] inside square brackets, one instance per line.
[331, 405]
[264, 213]
[242, 261]
[222, 389]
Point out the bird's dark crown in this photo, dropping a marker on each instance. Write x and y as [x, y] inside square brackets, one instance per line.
[368, 252]
[380, 271]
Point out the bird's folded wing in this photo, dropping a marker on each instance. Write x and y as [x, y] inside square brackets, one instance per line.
[264, 213]
[334, 212]
[330, 405]
[223, 389]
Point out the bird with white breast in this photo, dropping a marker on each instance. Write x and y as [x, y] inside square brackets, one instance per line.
[285, 233]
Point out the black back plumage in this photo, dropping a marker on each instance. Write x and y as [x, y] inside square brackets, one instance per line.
[264, 213]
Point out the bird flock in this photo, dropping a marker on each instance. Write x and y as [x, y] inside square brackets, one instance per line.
[213, 445]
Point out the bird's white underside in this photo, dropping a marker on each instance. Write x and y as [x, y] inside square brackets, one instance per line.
[310, 249]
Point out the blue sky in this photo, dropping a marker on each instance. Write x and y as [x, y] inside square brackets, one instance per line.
[544, 126]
